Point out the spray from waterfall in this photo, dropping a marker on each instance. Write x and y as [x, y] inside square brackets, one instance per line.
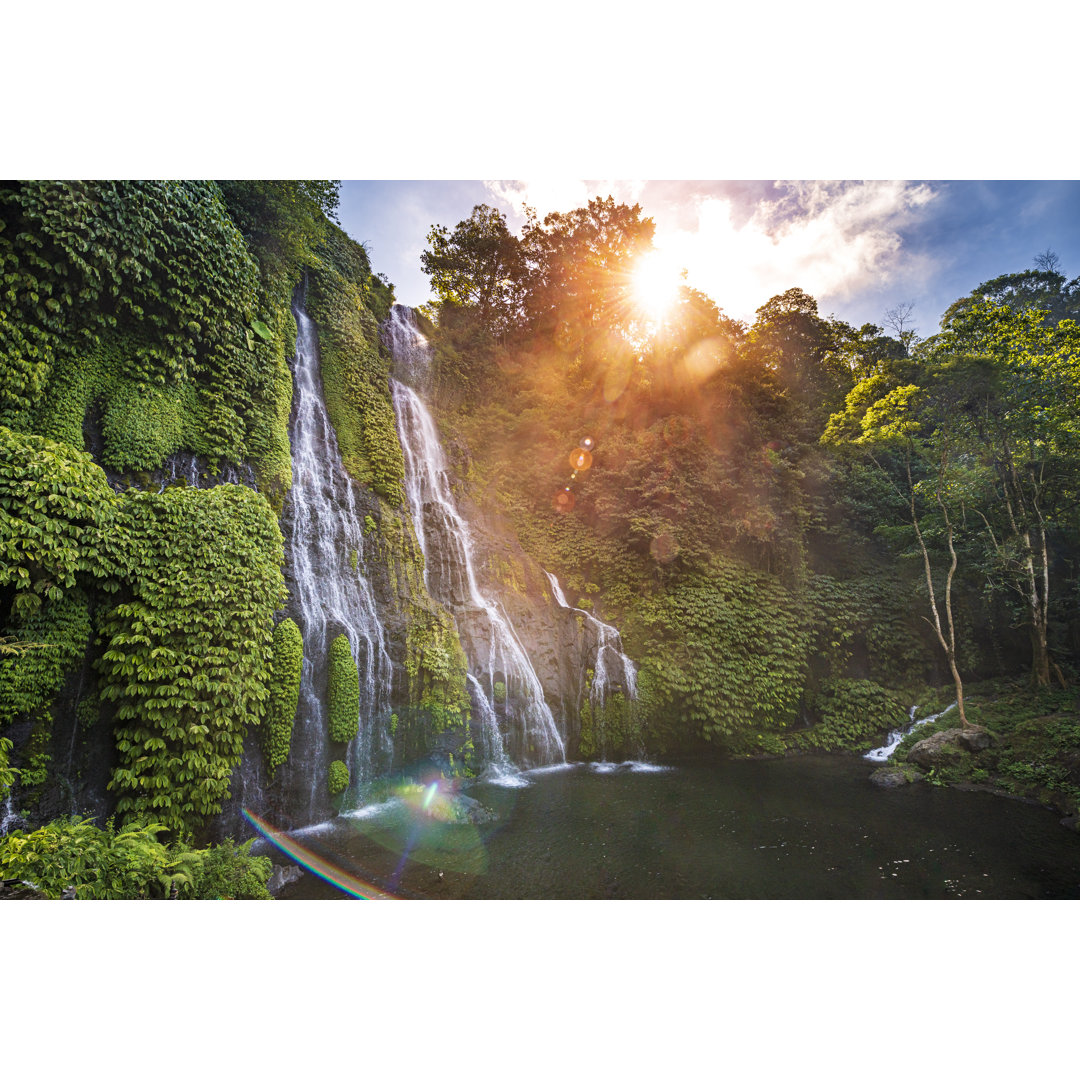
[612, 668]
[329, 595]
[502, 679]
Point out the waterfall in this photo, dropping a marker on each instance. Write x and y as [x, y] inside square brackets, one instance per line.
[883, 753]
[10, 818]
[612, 668]
[502, 678]
[329, 594]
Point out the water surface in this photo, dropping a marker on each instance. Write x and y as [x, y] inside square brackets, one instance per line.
[797, 828]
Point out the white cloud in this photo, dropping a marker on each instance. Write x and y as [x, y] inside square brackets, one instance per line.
[832, 240]
[743, 243]
[559, 195]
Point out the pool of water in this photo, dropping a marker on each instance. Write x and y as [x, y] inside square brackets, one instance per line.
[800, 828]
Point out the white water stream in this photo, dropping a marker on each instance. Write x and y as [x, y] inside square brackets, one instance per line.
[325, 546]
[529, 735]
[883, 753]
[612, 668]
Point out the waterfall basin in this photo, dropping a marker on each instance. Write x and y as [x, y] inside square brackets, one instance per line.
[797, 828]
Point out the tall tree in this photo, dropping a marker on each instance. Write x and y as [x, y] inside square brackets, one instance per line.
[580, 267]
[477, 266]
[1015, 382]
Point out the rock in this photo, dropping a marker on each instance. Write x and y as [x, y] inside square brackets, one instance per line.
[974, 739]
[944, 746]
[1072, 822]
[467, 810]
[282, 876]
[894, 776]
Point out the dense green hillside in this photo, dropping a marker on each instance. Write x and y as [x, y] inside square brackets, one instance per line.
[800, 527]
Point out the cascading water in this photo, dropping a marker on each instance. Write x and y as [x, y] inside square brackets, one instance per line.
[502, 678]
[883, 753]
[329, 594]
[612, 668]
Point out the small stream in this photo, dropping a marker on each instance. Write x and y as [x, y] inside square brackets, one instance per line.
[797, 828]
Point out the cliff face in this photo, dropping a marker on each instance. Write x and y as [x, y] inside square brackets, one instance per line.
[199, 442]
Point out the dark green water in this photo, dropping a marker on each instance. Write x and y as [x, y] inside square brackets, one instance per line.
[791, 829]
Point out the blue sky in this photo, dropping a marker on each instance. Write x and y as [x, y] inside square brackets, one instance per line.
[859, 247]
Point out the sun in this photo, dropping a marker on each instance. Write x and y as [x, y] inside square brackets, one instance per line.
[656, 281]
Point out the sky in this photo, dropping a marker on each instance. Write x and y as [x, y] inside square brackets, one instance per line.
[858, 247]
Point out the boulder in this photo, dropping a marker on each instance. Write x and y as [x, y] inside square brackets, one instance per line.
[282, 876]
[894, 776]
[943, 746]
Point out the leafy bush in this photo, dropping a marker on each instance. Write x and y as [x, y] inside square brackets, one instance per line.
[99, 864]
[343, 692]
[338, 777]
[187, 652]
[285, 668]
[129, 864]
[229, 871]
[854, 715]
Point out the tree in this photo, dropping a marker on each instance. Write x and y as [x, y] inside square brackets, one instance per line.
[579, 270]
[1041, 290]
[906, 432]
[1016, 383]
[477, 266]
[899, 319]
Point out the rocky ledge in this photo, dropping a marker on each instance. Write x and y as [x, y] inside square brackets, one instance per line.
[944, 746]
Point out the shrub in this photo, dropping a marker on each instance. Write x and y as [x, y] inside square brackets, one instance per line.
[343, 692]
[338, 778]
[285, 668]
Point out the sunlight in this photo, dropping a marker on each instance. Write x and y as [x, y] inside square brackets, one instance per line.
[657, 279]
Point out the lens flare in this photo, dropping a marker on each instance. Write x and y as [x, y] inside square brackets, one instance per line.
[563, 501]
[580, 460]
[586, 443]
[335, 875]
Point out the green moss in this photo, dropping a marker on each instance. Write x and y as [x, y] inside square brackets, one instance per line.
[343, 692]
[138, 299]
[337, 780]
[346, 301]
[285, 669]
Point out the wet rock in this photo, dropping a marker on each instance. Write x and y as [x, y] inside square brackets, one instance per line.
[894, 776]
[282, 876]
[469, 811]
[13, 889]
[944, 746]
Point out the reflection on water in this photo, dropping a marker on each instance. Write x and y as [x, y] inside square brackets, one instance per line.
[788, 829]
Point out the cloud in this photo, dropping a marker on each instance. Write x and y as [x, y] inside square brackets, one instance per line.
[742, 242]
[555, 195]
[834, 240]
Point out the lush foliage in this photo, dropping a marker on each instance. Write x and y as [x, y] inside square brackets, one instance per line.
[186, 654]
[916, 539]
[141, 297]
[725, 655]
[337, 779]
[347, 302]
[74, 857]
[854, 714]
[285, 668]
[342, 692]
[56, 520]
